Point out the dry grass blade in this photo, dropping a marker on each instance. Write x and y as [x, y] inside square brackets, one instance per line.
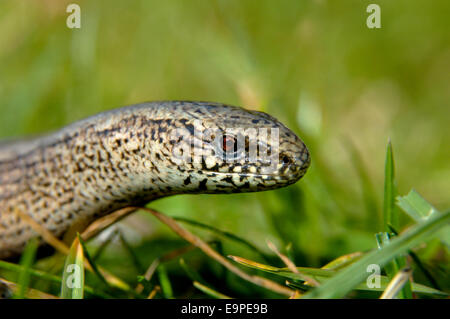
[284, 258]
[196, 241]
[43, 232]
[148, 274]
[396, 284]
[154, 292]
[30, 293]
[296, 295]
[291, 265]
[100, 224]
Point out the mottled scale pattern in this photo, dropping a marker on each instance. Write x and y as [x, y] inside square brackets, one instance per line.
[125, 157]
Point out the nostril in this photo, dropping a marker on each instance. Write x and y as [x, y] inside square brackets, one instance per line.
[286, 159]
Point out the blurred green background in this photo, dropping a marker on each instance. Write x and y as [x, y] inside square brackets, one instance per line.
[343, 88]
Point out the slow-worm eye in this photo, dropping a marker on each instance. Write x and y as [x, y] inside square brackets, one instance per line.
[229, 144]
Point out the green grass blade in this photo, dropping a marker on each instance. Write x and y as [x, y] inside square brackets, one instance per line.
[415, 206]
[389, 212]
[350, 277]
[419, 209]
[192, 274]
[391, 219]
[72, 285]
[210, 292]
[91, 261]
[26, 262]
[164, 282]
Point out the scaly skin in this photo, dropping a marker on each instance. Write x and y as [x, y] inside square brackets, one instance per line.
[126, 157]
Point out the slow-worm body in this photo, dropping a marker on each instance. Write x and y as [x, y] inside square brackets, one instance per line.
[135, 154]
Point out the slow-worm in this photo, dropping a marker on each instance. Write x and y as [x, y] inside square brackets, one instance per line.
[135, 154]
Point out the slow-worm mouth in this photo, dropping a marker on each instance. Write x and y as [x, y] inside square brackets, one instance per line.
[294, 175]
